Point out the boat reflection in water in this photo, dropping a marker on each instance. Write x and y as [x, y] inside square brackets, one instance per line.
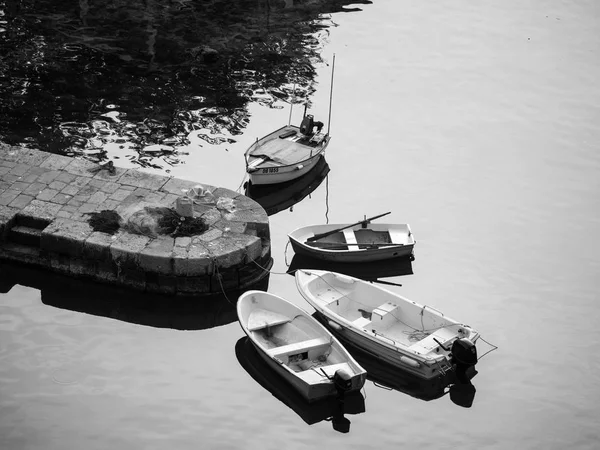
[331, 409]
[127, 305]
[371, 271]
[277, 197]
[386, 376]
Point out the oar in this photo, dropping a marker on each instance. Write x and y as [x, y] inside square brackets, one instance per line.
[386, 282]
[322, 235]
[344, 244]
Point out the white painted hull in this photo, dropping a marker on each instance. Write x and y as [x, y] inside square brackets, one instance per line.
[380, 322]
[275, 175]
[399, 243]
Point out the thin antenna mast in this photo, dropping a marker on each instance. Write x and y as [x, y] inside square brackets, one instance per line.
[292, 104]
[330, 94]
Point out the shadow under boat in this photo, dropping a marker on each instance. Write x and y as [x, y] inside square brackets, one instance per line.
[386, 376]
[277, 197]
[371, 271]
[330, 409]
[127, 305]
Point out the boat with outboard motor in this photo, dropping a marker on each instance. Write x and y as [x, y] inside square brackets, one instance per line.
[414, 337]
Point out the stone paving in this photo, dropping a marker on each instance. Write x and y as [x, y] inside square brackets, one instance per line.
[53, 195]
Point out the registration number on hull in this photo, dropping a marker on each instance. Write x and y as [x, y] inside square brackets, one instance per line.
[270, 170]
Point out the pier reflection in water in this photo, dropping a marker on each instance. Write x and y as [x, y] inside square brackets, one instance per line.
[333, 409]
[155, 310]
[277, 197]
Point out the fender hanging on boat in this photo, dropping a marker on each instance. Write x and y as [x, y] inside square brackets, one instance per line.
[411, 362]
[335, 326]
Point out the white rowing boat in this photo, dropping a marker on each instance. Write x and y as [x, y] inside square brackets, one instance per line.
[298, 347]
[414, 337]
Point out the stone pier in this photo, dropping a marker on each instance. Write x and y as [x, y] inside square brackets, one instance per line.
[46, 202]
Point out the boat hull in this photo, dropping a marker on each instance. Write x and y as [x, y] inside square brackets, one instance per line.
[281, 174]
[404, 251]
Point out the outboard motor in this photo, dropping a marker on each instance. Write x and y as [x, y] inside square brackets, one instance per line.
[464, 354]
[340, 423]
[307, 124]
[462, 394]
[342, 380]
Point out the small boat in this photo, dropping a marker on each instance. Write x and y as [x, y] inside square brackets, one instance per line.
[287, 153]
[413, 337]
[298, 347]
[358, 242]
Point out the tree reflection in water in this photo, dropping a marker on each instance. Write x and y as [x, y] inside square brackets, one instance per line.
[140, 76]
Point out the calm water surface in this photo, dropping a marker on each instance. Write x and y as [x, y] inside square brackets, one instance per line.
[478, 124]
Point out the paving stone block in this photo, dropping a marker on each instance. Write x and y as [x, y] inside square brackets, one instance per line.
[209, 235]
[133, 278]
[163, 284]
[176, 186]
[126, 248]
[34, 189]
[8, 196]
[56, 162]
[98, 197]
[193, 285]
[87, 208]
[97, 246]
[224, 280]
[20, 185]
[199, 262]
[70, 190]
[106, 175]
[47, 194]
[7, 218]
[20, 169]
[81, 167]
[120, 194]
[21, 201]
[57, 185]
[61, 198]
[48, 177]
[66, 177]
[157, 257]
[143, 180]
[59, 262]
[65, 236]
[40, 211]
